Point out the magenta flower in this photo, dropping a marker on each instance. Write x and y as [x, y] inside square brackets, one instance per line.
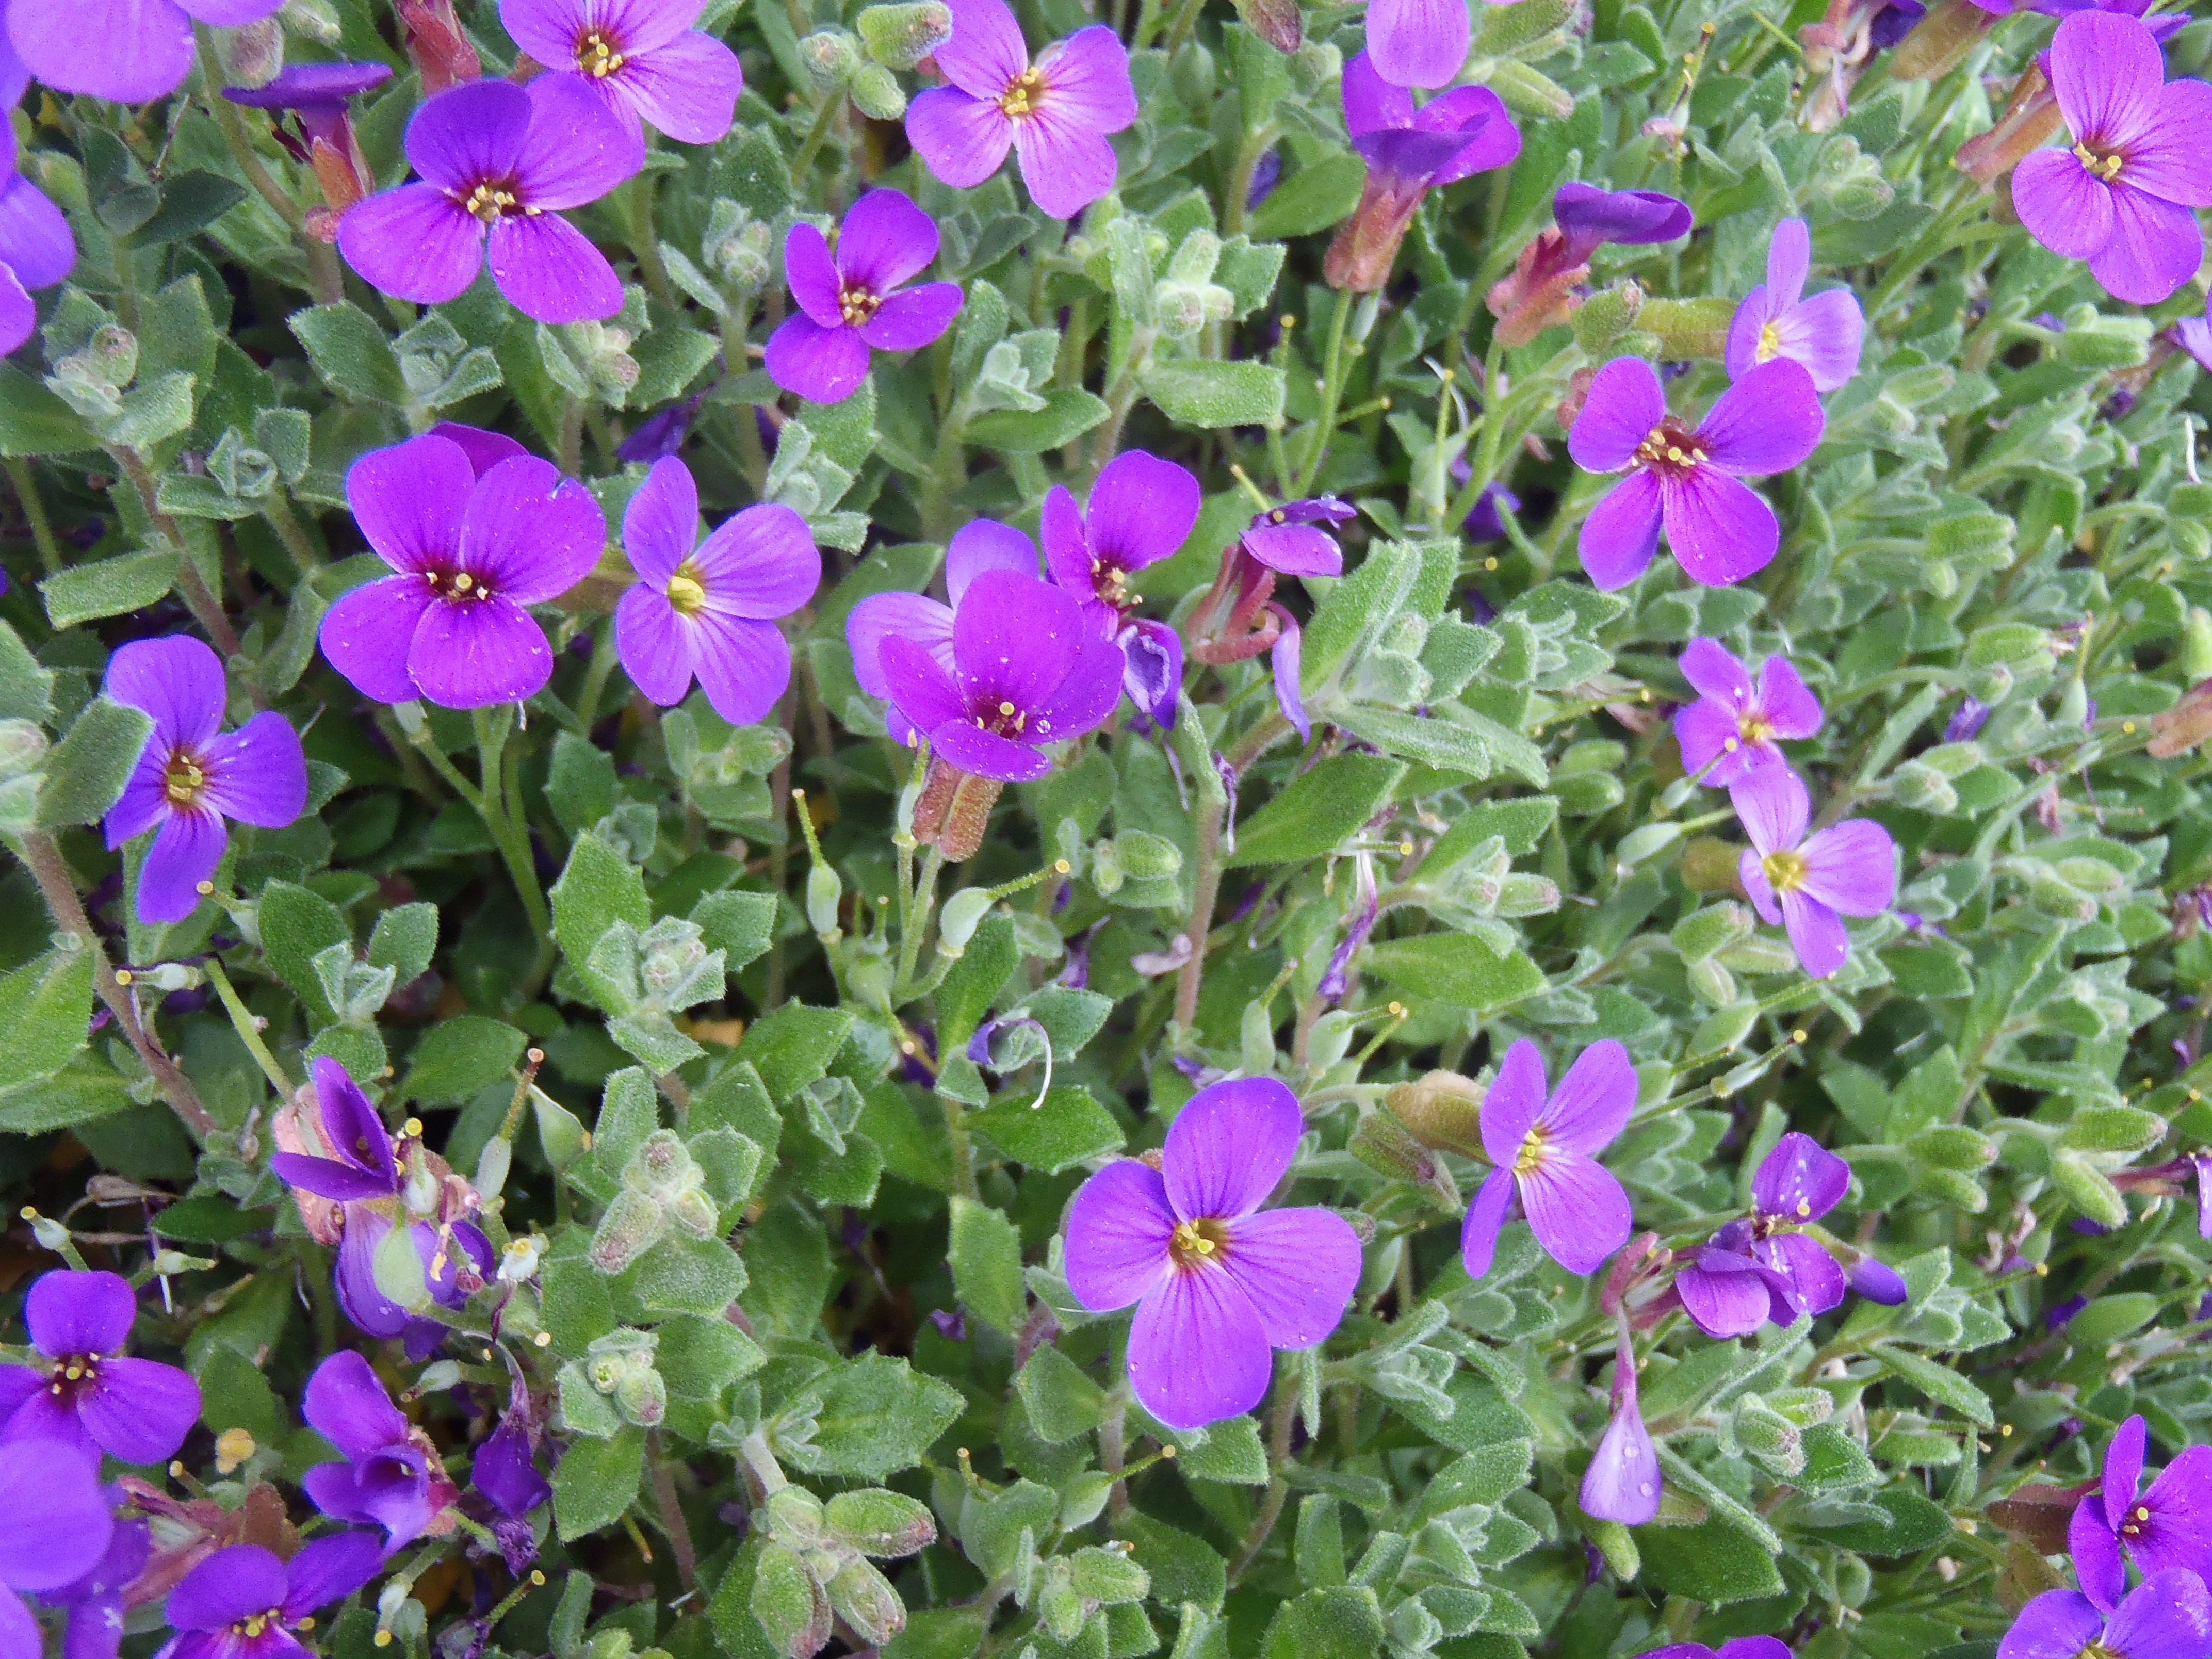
[852, 304]
[390, 1476]
[54, 1532]
[471, 553]
[1140, 511]
[127, 51]
[36, 247]
[92, 1398]
[1742, 1647]
[1217, 1282]
[1809, 884]
[244, 1603]
[642, 58]
[980, 545]
[1054, 113]
[1762, 1267]
[1720, 529]
[496, 161]
[1777, 320]
[1729, 732]
[2167, 1616]
[1026, 671]
[2142, 158]
[1622, 1481]
[1545, 1151]
[709, 610]
[1418, 43]
[1239, 617]
[192, 775]
[2165, 1529]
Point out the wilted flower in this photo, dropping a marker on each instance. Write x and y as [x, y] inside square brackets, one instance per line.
[191, 775]
[1777, 320]
[315, 95]
[90, 1396]
[1536, 293]
[36, 247]
[1336, 979]
[505, 1472]
[1692, 481]
[1238, 618]
[1218, 1283]
[244, 1603]
[642, 58]
[1544, 1151]
[127, 51]
[2167, 1616]
[390, 1476]
[854, 303]
[2165, 1529]
[709, 609]
[1729, 732]
[1054, 113]
[1763, 1267]
[1809, 884]
[1622, 1481]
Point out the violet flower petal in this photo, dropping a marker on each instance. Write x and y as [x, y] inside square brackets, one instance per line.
[1593, 1100]
[1478, 1237]
[1418, 43]
[1799, 1180]
[1577, 1209]
[1298, 1267]
[1118, 1228]
[73, 1312]
[1229, 1147]
[1197, 1351]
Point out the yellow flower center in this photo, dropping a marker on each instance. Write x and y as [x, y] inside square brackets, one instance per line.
[1006, 722]
[71, 1370]
[2106, 166]
[1198, 1244]
[596, 55]
[1753, 728]
[455, 585]
[1530, 1159]
[1785, 870]
[260, 1622]
[857, 305]
[1111, 582]
[686, 595]
[2133, 1526]
[1024, 94]
[1770, 342]
[183, 778]
[1670, 449]
[488, 201]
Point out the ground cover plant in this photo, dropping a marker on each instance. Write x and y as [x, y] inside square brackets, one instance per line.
[1279, 831]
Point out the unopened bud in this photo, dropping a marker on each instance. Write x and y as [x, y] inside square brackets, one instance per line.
[864, 1599]
[1603, 318]
[963, 913]
[251, 53]
[829, 56]
[642, 1397]
[875, 91]
[824, 890]
[900, 36]
[1442, 1111]
[631, 1226]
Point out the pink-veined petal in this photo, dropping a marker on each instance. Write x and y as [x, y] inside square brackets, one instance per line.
[759, 563]
[1816, 934]
[1067, 165]
[1719, 527]
[528, 533]
[1851, 867]
[1229, 1147]
[176, 680]
[1767, 422]
[1418, 43]
[1789, 260]
[257, 774]
[548, 269]
[969, 748]
[1118, 1227]
[1477, 1234]
[962, 139]
[986, 50]
[1577, 1210]
[1715, 672]
[811, 274]
[414, 243]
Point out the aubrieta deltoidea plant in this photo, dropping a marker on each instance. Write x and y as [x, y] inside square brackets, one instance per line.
[1096, 828]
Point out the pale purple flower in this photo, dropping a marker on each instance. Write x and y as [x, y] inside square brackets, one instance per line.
[192, 775]
[55, 1529]
[1140, 511]
[128, 51]
[709, 609]
[242, 1602]
[496, 162]
[1762, 1266]
[1809, 884]
[1218, 1282]
[1622, 1481]
[980, 545]
[2167, 1528]
[88, 1394]
[36, 247]
[1742, 1647]
[854, 303]
[642, 58]
[1775, 318]
[1026, 671]
[1054, 113]
[315, 93]
[2120, 196]
[390, 1476]
[1966, 721]
[1730, 730]
[1692, 481]
[471, 553]
[1418, 43]
[1545, 1152]
[2164, 1617]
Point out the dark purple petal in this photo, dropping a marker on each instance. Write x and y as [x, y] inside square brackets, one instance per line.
[812, 275]
[348, 1406]
[1589, 217]
[1372, 104]
[969, 748]
[505, 1472]
[257, 774]
[225, 1589]
[328, 1570]
[178, 681]
[1118, 1227]
[55, 1525]
[1229, 1147]
[1724, 1293]
[72, 1313]
[311, 86]
[1800, 1180]
[1151, 652]
[1876, 1281]
[1719, 528]
[918, 686]
[1806, 1279]
[366, 636]
[1085, 697]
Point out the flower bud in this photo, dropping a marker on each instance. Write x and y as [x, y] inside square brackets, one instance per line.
[251, 53]
[1923, 788]
[642, 1398]
[1688, 328]
[1603, 318]
[1278, 23]
[1708, 865]
[963, 914]
[631, 1226]
[1315, 64]
[877, 93]
[22, 745]
[1144, 855]
[111, 356]
[824, 890]
[829, 56]
[1711, 929]
[900, 36]
[1712, 982]
[876, 1521]
[2197, 646]
[791, 1607]
[795, 1516]
[1442, 1111]
[661, 1165]
[1383, 1142]
[1106, 869]
[864, 1599]
[695, 1211]
[312, 20]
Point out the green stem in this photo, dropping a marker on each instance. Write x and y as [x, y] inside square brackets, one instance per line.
[917, 920]
[289, 531]
[571, 446]
[595, 677]
[201, 602]
[248, 1028]
[1331, 389]
[645, 245]
[816, 135]
[231, 126]
[26, 485]
[499, 799]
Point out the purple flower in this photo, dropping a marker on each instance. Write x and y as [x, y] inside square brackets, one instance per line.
[1026, 671]
[1237, 618]
[851, 305]
[54, 1532]
[92, 1398]
[1763, 1267]
[1545, 1151]
[660, 436]
[1720, 529]
[1622, 1481]
[1408, 153]
[315, 95]
[471, 553]
[1141, 510]
[1289, 540]
[244, 1603]
[36, 247]
[1539, 292]
[1418, 43]
[192, 775]
[1216, 1283]
[390, 1477]
[710, 611]
[95, 1601]
[1151, 673]
[1729, 733]
[980, 545]
[496, 160]
[128, 51]
[642, 58]
[1742, 1647]
[505, 1472]
[2164, 1617]
[1966, 721]
[1776, 319]
[2167, 1529]
[1809, 884]
[2142, 158]
[1054, 113]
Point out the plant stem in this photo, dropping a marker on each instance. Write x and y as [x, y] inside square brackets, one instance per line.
[289, 531]
[499, 799]
[571, 448]
[248, 1028]
[1331, 389]
[917, 920]
[816, 136]
[1279, 1491]
[231, 126]
[26, 485]
[202, 603]
[1206, 888]
[672, 1517]
[647, 246]
[43, 859]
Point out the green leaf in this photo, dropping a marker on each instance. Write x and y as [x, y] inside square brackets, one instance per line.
[1316, 809]
[1342, 1622]
[739, 924]
[595, 1481]
[1716, 1561]
[793, 1045]
[351, 353]
[233, 1394]
[405, 940]
[1353, 608]
[295, 925]
[1061, 1401]
[1457, 969]
[699, 1357]
[44, 1006]
[110, 587]
[457, 1057]
[1317, 196]
[1440, 744]
[1230, 1453]
[86, 771]
[879, 1416]
[580, 786]
[1068, 413]
[34, 422]
[210, 1220]
[681, 1274]
[1938, 1383]
[985, 1254]
[1212, 393]
[1068, 1128]
[989, 961]
[190, 202]
[736, 1631]
[26, 691]
[599, 887]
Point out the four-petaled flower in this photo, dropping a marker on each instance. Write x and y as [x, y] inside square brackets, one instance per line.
[2167, 1616]
[1054, 113]
[1761, 1267]
[642, 58]
[1809, 883]
[471, 552]
[391, 1476]
[708, 608]
[1545, 1150]
[1777, 320]
[978, 545]
[2167, 1528]
[1140, 511]
[128, 51]
[1218, 1282]
[2120, 196]
[853, 303]
[1692, 481]
[1730, 730]
[497, 161]
[192, 775]
[244, 1603]
[88, 1394]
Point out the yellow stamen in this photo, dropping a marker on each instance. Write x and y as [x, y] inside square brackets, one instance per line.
[857, 305]
[1024, 94]
[1770, 342]
[1203, 1242]
[596, 55]
[2106, 167]
[183, 778]
[1531, 1155]
[1785, 870]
